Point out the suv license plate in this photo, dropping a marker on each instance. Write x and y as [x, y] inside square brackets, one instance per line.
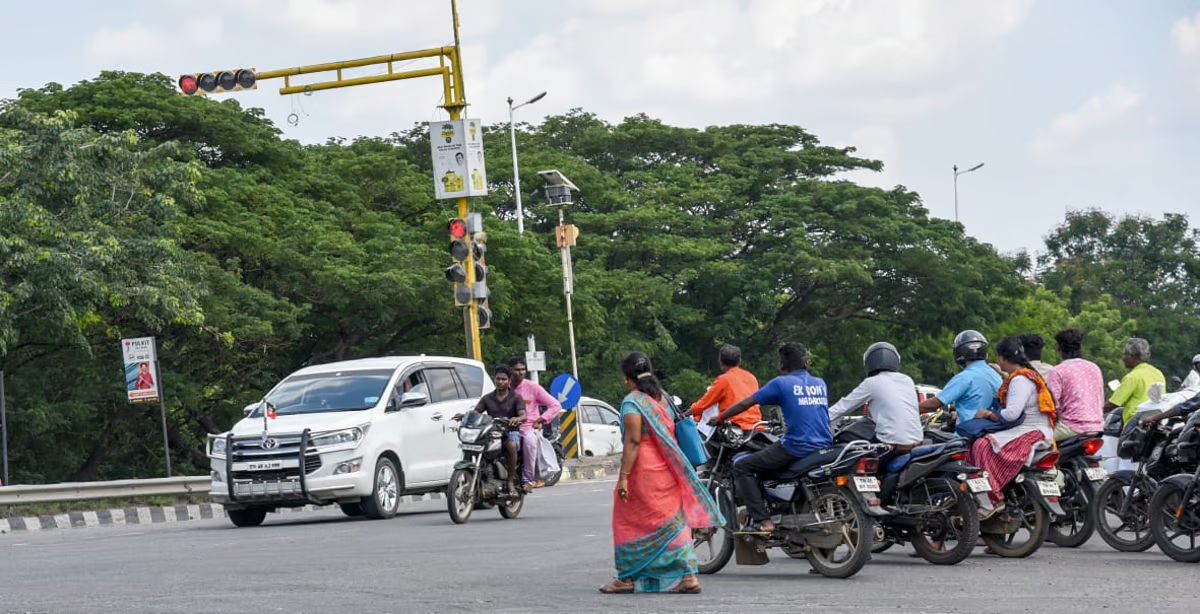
[1048, 489]
[1096, 474]
[472, 447]
[979, 485]
[867, 484]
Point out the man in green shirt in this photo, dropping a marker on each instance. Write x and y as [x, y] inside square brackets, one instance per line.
[1135, 387]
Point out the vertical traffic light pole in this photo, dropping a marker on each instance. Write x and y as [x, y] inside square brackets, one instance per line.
[219, 82]
[455, 108]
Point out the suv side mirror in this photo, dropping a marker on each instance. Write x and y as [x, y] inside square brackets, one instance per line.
[413, 398]
[249, 409]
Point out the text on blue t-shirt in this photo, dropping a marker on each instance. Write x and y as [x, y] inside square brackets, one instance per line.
[971, 390]
[804, 400]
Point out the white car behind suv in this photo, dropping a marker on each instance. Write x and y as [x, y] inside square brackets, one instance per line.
[359, 433]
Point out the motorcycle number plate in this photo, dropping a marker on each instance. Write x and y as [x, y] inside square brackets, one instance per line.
[1048, 489]
[472, 447]
[1096, 474]
[979, 485]
[866, 484]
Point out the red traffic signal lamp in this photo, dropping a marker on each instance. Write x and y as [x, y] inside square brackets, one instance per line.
[457, 227]
[218, 82]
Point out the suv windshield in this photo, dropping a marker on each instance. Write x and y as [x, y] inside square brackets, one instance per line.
[328, 392]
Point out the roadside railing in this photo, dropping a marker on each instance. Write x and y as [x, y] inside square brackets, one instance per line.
[117, 489]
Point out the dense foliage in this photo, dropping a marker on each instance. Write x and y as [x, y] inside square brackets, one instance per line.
[128, 210]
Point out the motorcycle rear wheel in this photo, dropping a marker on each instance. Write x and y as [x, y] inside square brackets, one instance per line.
[1079, 524]
[960, 521]
[840, 502]
[511, 508]
[1034, 517]
[719, 539]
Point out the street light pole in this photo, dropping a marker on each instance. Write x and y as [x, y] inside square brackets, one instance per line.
[512, 130]
[956, 174]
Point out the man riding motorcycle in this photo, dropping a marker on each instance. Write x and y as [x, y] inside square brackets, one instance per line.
[891, 401]
[973, 388]
[803, 399]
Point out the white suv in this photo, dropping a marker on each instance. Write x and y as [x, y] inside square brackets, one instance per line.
[359, 433]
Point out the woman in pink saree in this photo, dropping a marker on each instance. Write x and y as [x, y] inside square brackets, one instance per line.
[658, 499]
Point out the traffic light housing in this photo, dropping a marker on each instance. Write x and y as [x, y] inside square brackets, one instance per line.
[456, 273]
[218, 82]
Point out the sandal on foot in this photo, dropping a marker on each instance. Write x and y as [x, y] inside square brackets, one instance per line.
[617, 587]
[684, 588]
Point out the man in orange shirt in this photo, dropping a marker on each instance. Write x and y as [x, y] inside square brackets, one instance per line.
[730, 387]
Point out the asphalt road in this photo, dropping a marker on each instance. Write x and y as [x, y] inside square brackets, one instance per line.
[552, 559]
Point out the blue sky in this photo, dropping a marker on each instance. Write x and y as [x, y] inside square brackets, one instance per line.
[1069, 103]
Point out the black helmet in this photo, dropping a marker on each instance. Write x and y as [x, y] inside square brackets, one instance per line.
[970, 345]
[881, 356]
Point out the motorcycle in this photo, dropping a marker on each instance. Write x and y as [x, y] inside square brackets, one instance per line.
[1174, 509]
[818, 505]
[480, 477]
[1122, 503]
[1080, 471]
[1030, 501]
[928, 495]
[1030, 498]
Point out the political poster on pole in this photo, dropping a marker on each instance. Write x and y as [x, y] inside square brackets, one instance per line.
[458, 165]
[141, 370]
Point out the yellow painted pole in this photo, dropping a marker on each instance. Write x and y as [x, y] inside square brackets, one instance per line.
[455, 107]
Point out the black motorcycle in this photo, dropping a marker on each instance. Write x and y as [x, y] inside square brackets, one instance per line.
[1079, 468]
[1121, 508]
[1030, 498]
[1175, 507]
[1030, 502]
[928, 497]
[480, 478]
[817, 505]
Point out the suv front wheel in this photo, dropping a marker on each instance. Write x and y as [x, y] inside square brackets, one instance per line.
[384, 501]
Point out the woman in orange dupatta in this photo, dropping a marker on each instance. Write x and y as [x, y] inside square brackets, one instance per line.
[1002, 454]
[658, 499]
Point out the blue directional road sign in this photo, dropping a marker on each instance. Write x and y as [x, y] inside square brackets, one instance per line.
[566, 390]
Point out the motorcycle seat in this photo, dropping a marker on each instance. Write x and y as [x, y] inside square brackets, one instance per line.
[803, 465]
[900, 462]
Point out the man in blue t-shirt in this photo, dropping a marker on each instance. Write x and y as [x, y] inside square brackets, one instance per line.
[804, 400]
[973, 388]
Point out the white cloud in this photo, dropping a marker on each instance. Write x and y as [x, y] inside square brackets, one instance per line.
[1089, 132]
[699, 62]
[875, 143]
[423, 23]
[139, 45]
[1185, 35]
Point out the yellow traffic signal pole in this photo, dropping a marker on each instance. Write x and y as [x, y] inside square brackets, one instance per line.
[450, 70]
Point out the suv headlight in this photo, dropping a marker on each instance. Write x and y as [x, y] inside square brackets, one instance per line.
[346, 439]
[216, 445]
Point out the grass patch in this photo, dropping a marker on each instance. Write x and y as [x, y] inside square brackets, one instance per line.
[51, 509]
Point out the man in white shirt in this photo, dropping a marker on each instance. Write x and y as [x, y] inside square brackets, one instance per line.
[891, 399]
[1193, 378]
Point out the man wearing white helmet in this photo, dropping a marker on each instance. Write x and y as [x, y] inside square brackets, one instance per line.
[1193, 378]
[890, 396]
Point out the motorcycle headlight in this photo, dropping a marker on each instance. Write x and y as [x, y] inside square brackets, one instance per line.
[468, 435]
[346, 439]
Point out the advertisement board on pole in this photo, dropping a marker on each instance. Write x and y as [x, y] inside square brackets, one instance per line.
[141, 369]
[458, 165]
